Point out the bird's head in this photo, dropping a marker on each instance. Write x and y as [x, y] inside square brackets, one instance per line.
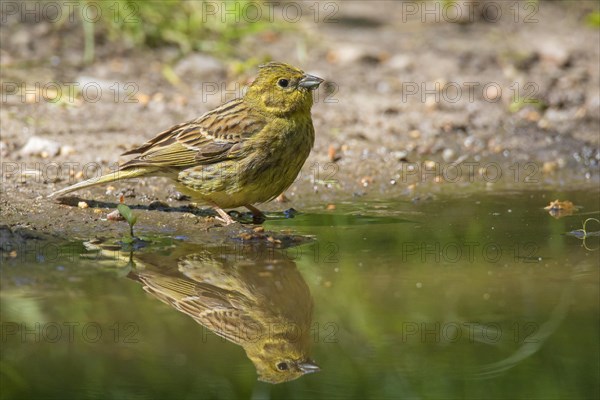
[282, 89]
[278, 360]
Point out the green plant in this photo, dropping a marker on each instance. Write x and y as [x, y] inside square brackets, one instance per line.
[593, 19]
[213, 27]
[129, 216]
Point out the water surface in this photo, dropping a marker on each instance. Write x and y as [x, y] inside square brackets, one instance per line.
[476, 296]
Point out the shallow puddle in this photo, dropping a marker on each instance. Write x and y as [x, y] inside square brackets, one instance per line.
[475, 296]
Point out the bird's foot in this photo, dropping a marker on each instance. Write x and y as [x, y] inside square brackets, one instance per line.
[257, 216]
[224, 217]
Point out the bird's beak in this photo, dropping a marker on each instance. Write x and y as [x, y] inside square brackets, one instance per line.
[308, 367]
[310, 81]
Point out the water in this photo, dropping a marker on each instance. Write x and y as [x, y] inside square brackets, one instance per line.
[483, 295]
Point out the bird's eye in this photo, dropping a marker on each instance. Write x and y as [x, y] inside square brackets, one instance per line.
[283, 83]
[282, 366]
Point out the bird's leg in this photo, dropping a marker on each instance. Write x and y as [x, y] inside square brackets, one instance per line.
[257, 216]
[225, 218]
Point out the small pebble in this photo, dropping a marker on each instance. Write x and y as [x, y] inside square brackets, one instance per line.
[115, 216]
[129, 192]
[290, 213]
[82, 204]
[492, 93]
[448, 155]
[549, 167]
[179, 196]
[158, 205]
[533, 116]
[366, 181]
[333, 155]
[40, 146]
[67, 150]
[414, 134]
[429, 164]
[543, 123]
[142, 98]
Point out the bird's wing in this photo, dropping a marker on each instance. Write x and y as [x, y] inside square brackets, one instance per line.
[232, 324]
[214, 137]
[225, 312]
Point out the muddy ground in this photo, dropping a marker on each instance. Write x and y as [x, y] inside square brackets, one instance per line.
[509, 103]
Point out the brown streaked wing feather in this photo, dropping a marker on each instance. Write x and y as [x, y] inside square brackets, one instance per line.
[231, 324]
[206, 304]
[160, 139]
[209, 139]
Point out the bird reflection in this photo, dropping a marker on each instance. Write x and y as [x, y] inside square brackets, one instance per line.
[253, 296]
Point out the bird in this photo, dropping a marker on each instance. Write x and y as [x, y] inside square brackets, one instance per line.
[253, 296]
[247, 151]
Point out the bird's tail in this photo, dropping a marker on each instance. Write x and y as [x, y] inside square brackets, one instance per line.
[128, 173]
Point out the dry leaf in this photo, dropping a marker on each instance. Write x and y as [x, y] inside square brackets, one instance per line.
[559, 209]
[332, 154]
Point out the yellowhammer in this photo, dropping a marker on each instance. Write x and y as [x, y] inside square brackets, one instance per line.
[252, 296]
[247, 151]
